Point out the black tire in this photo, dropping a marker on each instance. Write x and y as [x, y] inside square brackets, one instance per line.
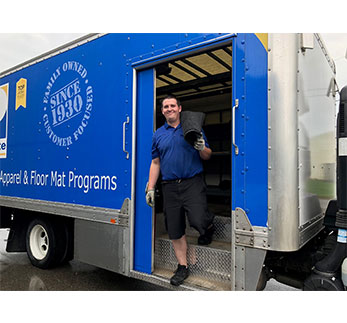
[263, 278]
[68, 254]
[316, 282]
[46, 242]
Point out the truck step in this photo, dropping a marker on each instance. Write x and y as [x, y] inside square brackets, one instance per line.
[208, 264]
[193, 282]
[222, 228]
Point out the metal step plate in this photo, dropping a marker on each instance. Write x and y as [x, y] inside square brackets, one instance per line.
[210, 263]
[193, 282]
[222, 228]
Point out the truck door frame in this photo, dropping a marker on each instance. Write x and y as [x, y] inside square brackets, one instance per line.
[138, 193]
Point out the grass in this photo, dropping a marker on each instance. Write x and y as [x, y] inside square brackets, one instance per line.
[323, 189]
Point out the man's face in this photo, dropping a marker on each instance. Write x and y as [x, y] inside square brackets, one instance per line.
[171, 110]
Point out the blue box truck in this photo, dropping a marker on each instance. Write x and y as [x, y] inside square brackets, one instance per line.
[75, 149]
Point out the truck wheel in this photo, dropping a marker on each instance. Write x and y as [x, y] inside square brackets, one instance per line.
[46, 243]
[316, 282]
[264, 277]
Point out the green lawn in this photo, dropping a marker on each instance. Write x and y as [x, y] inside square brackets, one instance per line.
[323, 189]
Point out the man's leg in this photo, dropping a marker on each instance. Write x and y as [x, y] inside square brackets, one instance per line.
[175, 224]
[195, 203]
[181, 247]
[182, 271]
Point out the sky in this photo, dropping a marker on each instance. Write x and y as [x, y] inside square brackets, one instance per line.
[336, 44]
[16, 48]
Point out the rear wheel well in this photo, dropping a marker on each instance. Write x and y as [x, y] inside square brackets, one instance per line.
[5, 217]
[18, 221]
[292, 268]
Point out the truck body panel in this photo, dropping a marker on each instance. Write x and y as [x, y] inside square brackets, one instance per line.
[76, 137]
[298, 103]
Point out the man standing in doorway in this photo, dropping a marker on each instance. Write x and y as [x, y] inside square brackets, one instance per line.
[184, 189]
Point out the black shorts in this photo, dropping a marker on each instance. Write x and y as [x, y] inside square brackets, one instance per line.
[186, 197]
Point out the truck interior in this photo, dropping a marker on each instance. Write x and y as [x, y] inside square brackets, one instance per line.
[203, 82]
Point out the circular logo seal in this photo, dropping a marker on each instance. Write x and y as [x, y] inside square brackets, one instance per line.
[68, 103]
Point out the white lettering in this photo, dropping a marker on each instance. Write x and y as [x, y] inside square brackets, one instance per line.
[38, 179]
[57, 179]
[60, 180]
[89, 182]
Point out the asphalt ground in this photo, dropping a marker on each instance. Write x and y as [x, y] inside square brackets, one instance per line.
[90, 294]
[17, 274]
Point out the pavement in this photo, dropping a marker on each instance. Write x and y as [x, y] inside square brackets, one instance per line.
[17, 274]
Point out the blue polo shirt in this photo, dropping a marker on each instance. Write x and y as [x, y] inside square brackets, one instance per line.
[178, 159]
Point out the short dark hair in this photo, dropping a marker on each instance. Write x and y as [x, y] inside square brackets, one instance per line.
[170, 96]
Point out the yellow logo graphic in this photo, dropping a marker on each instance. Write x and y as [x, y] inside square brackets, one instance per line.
[21, 93]
[264, 39]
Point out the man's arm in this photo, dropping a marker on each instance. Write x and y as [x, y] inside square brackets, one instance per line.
[154, 172]
[206, 153]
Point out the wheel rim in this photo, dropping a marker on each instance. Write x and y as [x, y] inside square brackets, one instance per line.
[39, 242]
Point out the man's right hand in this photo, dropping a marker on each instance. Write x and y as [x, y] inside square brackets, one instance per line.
[150, 197]
[199, 144]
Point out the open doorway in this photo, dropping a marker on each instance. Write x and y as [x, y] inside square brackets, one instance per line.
[203, 82]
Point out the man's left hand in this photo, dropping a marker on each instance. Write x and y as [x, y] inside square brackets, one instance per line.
[150, 198]
[199, 144]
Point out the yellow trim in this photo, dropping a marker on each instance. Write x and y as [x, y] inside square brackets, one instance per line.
[5, 88]
[263, 39]
[21, 93]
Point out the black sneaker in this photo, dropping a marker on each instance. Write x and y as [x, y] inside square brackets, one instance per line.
[181, 273]
[206, 238]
